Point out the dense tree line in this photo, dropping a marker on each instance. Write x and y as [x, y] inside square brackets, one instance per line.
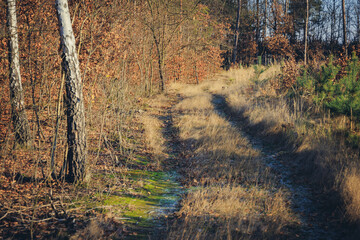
[278, 29]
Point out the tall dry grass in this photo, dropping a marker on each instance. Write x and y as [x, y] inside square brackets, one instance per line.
[234, 195]
[153, 129]
[321, 152]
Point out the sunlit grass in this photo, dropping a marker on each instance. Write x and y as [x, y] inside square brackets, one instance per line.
[235, 195]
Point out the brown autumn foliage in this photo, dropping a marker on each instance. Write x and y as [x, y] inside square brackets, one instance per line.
[119, 66]
[290, 71]
[278, 43]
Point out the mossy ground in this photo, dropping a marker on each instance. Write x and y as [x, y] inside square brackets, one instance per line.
[148, 197]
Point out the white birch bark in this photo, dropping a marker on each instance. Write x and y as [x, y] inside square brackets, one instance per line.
[76, 157]
[18, 114]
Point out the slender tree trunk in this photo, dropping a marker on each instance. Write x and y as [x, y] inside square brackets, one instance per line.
[196, 74]
[76, 156]
[180, 38]
[344, 27]
[237, 33]
[265, 18]
[306, 32]
[274, 13]
[333, 24]
[18, 114]
[265, 30]
[257, 23]
[358, 21]
[161, 74]
[160, 63]
[286, 6]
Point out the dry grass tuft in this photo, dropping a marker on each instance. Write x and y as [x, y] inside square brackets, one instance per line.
[271, 72]
[221, 152]
[200, 102]
[232, 212]
[158, 102]
[104, 227]
[351, 193]
[189, 90]
[153, 127]
[247, 98]
[93, 231]
[153, 136]
[240, 76]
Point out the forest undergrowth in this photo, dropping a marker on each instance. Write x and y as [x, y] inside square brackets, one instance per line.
[127, 178]
[122, 166]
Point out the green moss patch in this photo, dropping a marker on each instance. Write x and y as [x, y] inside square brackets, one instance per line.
[151, 195]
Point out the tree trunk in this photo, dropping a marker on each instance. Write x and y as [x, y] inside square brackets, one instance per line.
[344, 27]
[358, 21]
[236, 38]
[265, 18]
[264, 32]
[160, 63]
[274, 13]
[18, 114]
[257, 23]
[306, 32]
[333, 23]
[161, 74]
[76, 156]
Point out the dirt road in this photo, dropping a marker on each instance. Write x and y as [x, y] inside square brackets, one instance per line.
[237, 186]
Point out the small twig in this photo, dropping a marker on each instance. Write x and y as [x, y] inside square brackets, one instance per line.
[58, 113]
[4, 215]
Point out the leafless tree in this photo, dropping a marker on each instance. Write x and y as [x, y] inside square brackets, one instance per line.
[344, 26]
[237, 32]
[306, 32]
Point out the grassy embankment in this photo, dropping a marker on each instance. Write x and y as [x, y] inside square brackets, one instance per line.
[316, 140]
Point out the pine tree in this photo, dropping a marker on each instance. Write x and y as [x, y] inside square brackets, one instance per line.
[342, 95]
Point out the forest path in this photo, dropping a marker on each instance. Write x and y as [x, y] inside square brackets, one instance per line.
[315, 223]
[162, 137]
[233, 185]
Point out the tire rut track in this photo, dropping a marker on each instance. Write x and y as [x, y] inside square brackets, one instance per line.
[313, 222]
[169, 164]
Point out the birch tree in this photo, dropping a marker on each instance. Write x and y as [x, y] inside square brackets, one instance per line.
[76, 139]
[18, 114]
